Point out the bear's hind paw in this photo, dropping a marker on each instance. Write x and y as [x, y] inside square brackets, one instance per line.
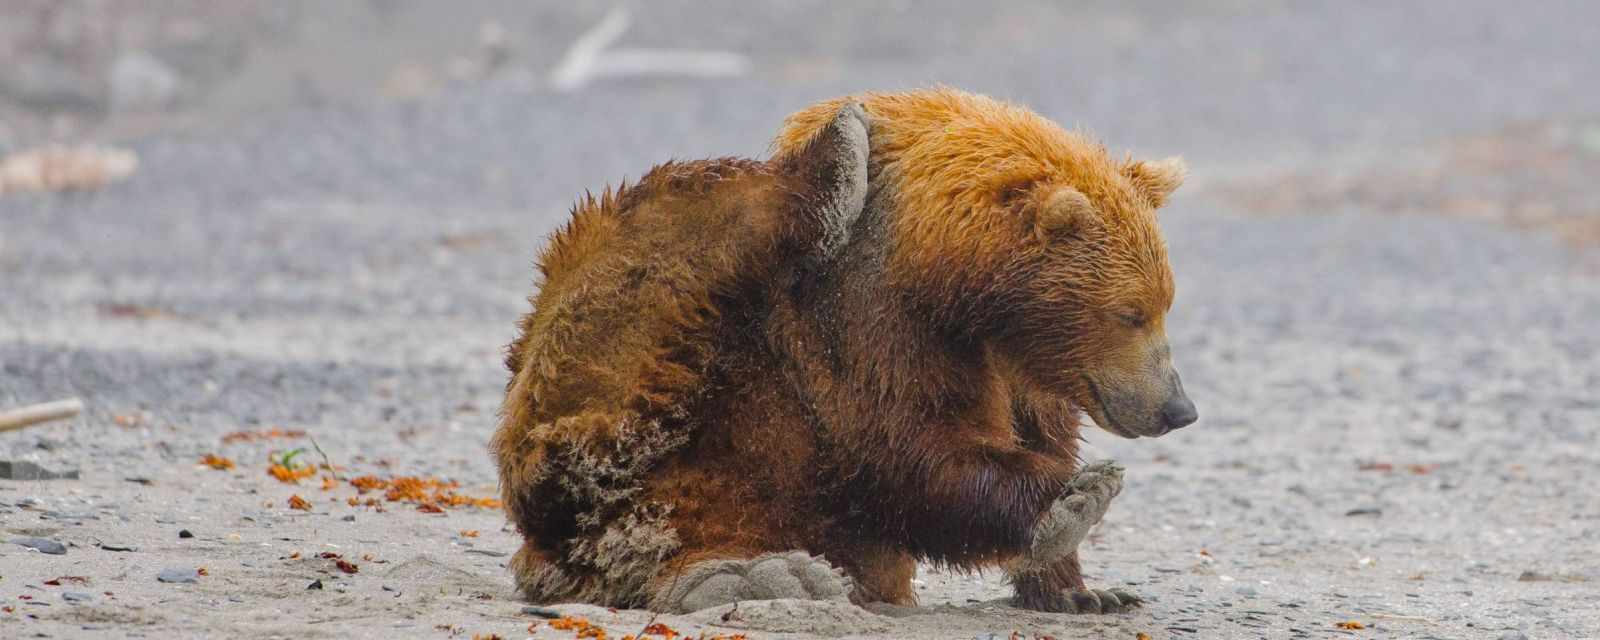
[793, 574]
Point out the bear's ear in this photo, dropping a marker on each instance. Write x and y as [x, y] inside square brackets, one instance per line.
[835, 161]
[1065, 211]
[1157, 179]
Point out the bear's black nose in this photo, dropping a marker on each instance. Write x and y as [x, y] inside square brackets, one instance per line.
[1178, 412]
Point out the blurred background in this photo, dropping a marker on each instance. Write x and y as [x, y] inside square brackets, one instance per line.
[216, 214]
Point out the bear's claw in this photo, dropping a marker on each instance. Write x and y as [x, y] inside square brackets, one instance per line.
[1100, 601]
[793, 574]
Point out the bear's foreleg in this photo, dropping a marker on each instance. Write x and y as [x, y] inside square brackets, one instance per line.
[1048, 576]
[957, 498]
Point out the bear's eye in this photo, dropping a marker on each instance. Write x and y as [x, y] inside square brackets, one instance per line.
[1131, 317]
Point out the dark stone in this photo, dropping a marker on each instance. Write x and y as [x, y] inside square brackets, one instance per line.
[24, 470]
[178, 576]
[184, 533]
[42, 545]
[542, 612]
[316, 585]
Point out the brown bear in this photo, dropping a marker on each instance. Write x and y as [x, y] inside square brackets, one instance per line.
[793, 410]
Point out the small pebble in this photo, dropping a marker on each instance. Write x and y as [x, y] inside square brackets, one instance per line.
[349, 518]
[77, 596]
[117, 546]
[178, 576]
[542, 612]
[184, 533]
[42, 545]
[1364, 511]
[316, 585]
[68, 515]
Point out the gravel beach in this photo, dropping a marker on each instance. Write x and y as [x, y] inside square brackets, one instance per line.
[1387, 298]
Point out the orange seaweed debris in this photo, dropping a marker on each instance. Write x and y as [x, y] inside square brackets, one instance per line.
[1350, 624]
[329, 484]
[364, 484]
[659, 629]
[565, 623]
[264, 434]
[216, 462]
[290, 476]
[580, 627]
[297, 502]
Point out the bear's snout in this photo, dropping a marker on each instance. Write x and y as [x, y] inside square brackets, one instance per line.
[1178, 411]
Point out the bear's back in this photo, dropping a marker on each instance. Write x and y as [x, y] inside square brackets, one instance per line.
[633, 284]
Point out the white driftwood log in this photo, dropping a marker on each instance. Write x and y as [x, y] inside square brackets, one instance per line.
[33, 414]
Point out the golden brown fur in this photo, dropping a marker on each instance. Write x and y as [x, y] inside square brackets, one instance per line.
[694, 384]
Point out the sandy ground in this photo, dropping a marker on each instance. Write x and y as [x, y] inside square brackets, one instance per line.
[1387, 293]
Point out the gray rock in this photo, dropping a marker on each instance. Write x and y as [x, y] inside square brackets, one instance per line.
[542, 612]
[77, 596]
[117, 546]
[68, 515]
[178, 576]
[42, 545]
[49, 85]
[25, 470]
[140, 82]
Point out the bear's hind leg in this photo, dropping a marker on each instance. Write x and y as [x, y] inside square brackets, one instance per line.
[683, 587]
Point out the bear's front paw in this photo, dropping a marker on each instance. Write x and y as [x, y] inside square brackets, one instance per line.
[1069, 519]
[1086, 601]
[795, 574]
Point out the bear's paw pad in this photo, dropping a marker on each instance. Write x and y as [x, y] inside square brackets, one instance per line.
[1069, 519]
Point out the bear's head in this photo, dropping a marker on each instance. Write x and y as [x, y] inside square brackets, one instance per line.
[1089, 322]
[1031, 243]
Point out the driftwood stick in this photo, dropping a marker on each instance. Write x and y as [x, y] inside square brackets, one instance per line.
[325, 461]
[33, 414]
